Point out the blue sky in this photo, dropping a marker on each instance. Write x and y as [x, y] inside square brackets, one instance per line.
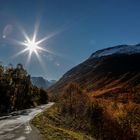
[83, 27]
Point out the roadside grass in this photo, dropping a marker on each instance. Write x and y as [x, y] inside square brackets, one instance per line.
[53, 126]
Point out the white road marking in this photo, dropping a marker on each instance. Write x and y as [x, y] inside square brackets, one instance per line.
[28, 129]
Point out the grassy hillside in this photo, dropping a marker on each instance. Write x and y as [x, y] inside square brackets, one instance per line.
[104, 94]
[105, 75]
[101, 117]
[54, 126]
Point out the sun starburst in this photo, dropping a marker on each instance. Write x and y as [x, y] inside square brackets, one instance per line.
[33, 45]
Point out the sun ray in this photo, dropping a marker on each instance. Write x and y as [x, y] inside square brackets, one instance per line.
[33, 45]
[46, 37]
[28, 58]
[40, 61]
[24, 33]
[35, 31]
[21, 52]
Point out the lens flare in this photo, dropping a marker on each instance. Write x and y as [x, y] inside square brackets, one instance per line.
[32, 45]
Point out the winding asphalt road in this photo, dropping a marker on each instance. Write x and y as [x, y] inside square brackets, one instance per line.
[17, 125]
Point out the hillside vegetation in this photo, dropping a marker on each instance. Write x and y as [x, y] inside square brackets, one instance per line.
[104, 76]
[99, 118]
[17, 91]
[101, 96]
[102, 118]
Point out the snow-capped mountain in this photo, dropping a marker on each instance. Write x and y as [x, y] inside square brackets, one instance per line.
[105, 72]
[121, 49]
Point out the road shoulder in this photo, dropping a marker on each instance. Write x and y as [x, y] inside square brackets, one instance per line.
[35, 133]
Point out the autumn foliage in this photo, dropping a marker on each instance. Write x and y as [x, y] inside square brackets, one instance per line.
[101, 118]
[73, 100]
[17, 91]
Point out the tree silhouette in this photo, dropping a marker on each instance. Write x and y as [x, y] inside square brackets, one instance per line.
[17, 91]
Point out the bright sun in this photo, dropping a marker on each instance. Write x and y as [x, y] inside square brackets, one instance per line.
[32, 46]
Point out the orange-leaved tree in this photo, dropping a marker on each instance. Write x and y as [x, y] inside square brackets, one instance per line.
[73, 100]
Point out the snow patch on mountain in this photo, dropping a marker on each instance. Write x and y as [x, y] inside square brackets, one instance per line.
[121, 49]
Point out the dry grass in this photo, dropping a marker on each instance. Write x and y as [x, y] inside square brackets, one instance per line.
[53, 126]
[126, 115]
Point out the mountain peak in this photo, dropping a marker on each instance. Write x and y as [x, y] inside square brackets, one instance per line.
[105, 76]
[120, 49]
[42, 82]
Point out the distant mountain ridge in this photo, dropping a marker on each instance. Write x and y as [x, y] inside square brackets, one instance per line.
[120, 49]
[42, 82]
[105, 72]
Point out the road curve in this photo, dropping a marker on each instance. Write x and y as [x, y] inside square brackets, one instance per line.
[17, 125]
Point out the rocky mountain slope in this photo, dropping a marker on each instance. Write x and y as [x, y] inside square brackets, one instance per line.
[105, 72]
[41, 82]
